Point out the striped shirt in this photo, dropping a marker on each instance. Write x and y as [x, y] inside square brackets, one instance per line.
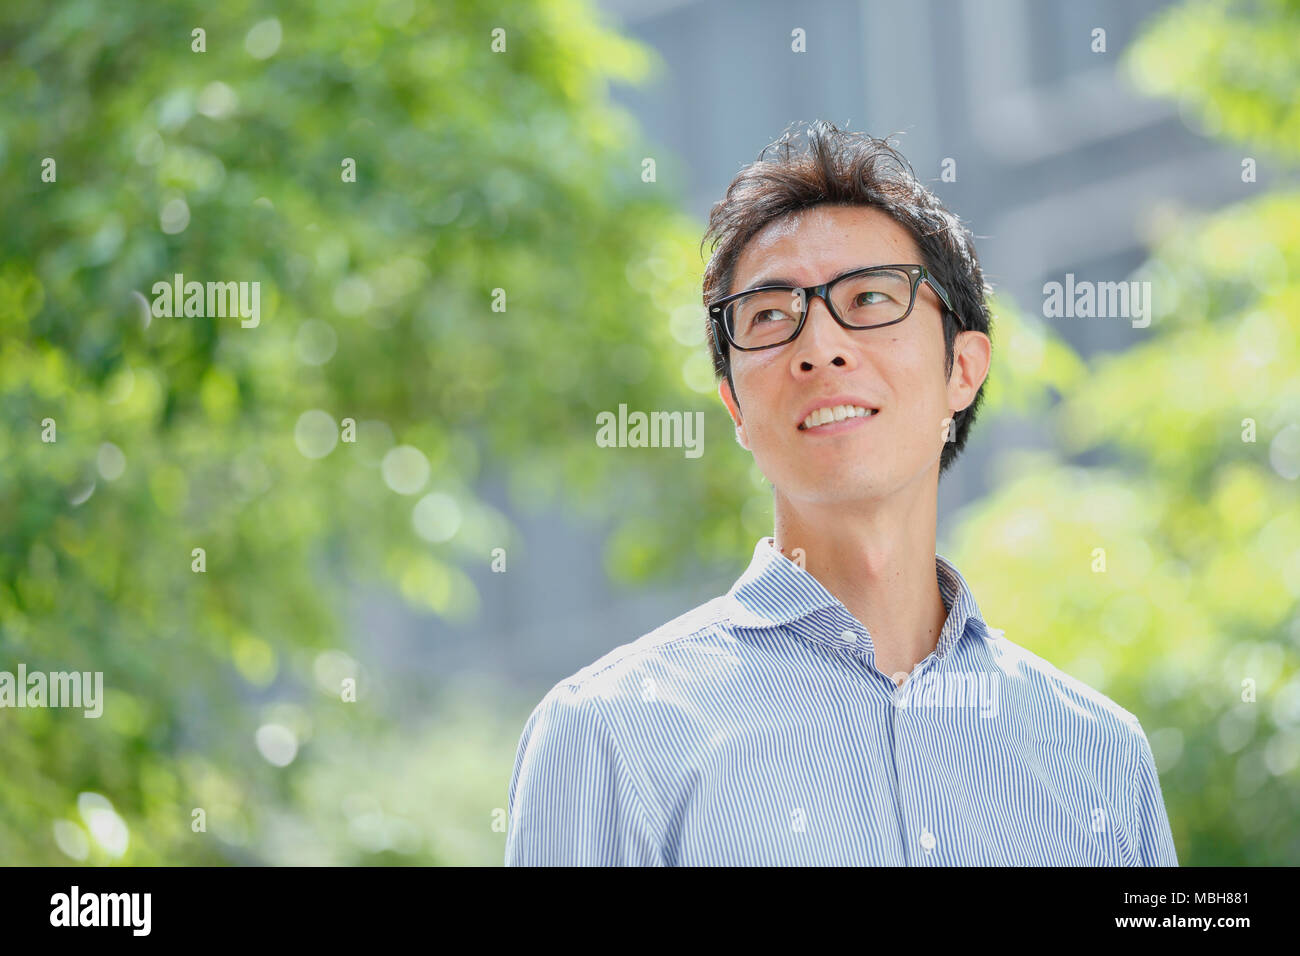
[756, 730]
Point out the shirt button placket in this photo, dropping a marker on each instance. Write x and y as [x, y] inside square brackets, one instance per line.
[856, 644]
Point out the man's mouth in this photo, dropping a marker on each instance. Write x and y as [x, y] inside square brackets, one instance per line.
[835, 413]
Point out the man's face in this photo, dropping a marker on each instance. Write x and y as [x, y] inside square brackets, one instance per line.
[898, 369]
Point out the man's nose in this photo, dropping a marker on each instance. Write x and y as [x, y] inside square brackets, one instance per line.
[822, 340]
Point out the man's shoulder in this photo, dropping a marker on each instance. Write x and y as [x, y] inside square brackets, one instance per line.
[1055, 688]
[598, 702]
[699, 627]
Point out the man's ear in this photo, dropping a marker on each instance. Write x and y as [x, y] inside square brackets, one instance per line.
[733, 409]
[973, 352]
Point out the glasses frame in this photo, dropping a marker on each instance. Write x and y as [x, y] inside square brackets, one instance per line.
[720, 310]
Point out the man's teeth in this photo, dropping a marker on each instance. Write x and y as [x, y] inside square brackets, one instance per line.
[835, 413]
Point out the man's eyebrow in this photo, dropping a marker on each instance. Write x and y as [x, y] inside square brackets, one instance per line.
[781, 280]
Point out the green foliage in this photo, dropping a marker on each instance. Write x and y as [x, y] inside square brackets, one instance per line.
[476, 171]
[1230, 63]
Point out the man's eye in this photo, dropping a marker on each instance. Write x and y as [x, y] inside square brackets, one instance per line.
[883, 298]
[759, 318]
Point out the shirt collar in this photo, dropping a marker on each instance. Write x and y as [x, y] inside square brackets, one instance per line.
[775, 591]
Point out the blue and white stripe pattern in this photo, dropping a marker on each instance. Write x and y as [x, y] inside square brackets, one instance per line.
[755, 730]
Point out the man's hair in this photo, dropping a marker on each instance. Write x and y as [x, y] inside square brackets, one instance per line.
[838, 167]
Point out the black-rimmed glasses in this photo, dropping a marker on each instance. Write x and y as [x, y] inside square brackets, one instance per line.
[769, 316]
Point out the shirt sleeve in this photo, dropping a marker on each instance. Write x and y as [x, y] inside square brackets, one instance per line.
[572, 799]
[1155, 841]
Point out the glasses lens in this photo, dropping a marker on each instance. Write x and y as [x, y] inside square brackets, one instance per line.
[873, 298]
[765, 318]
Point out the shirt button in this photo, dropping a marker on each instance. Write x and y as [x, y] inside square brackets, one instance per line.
[849, 636]
[927, 840]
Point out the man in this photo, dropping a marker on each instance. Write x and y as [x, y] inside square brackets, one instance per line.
[845, 702]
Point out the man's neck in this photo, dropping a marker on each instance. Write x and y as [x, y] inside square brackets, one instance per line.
[879, 562]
